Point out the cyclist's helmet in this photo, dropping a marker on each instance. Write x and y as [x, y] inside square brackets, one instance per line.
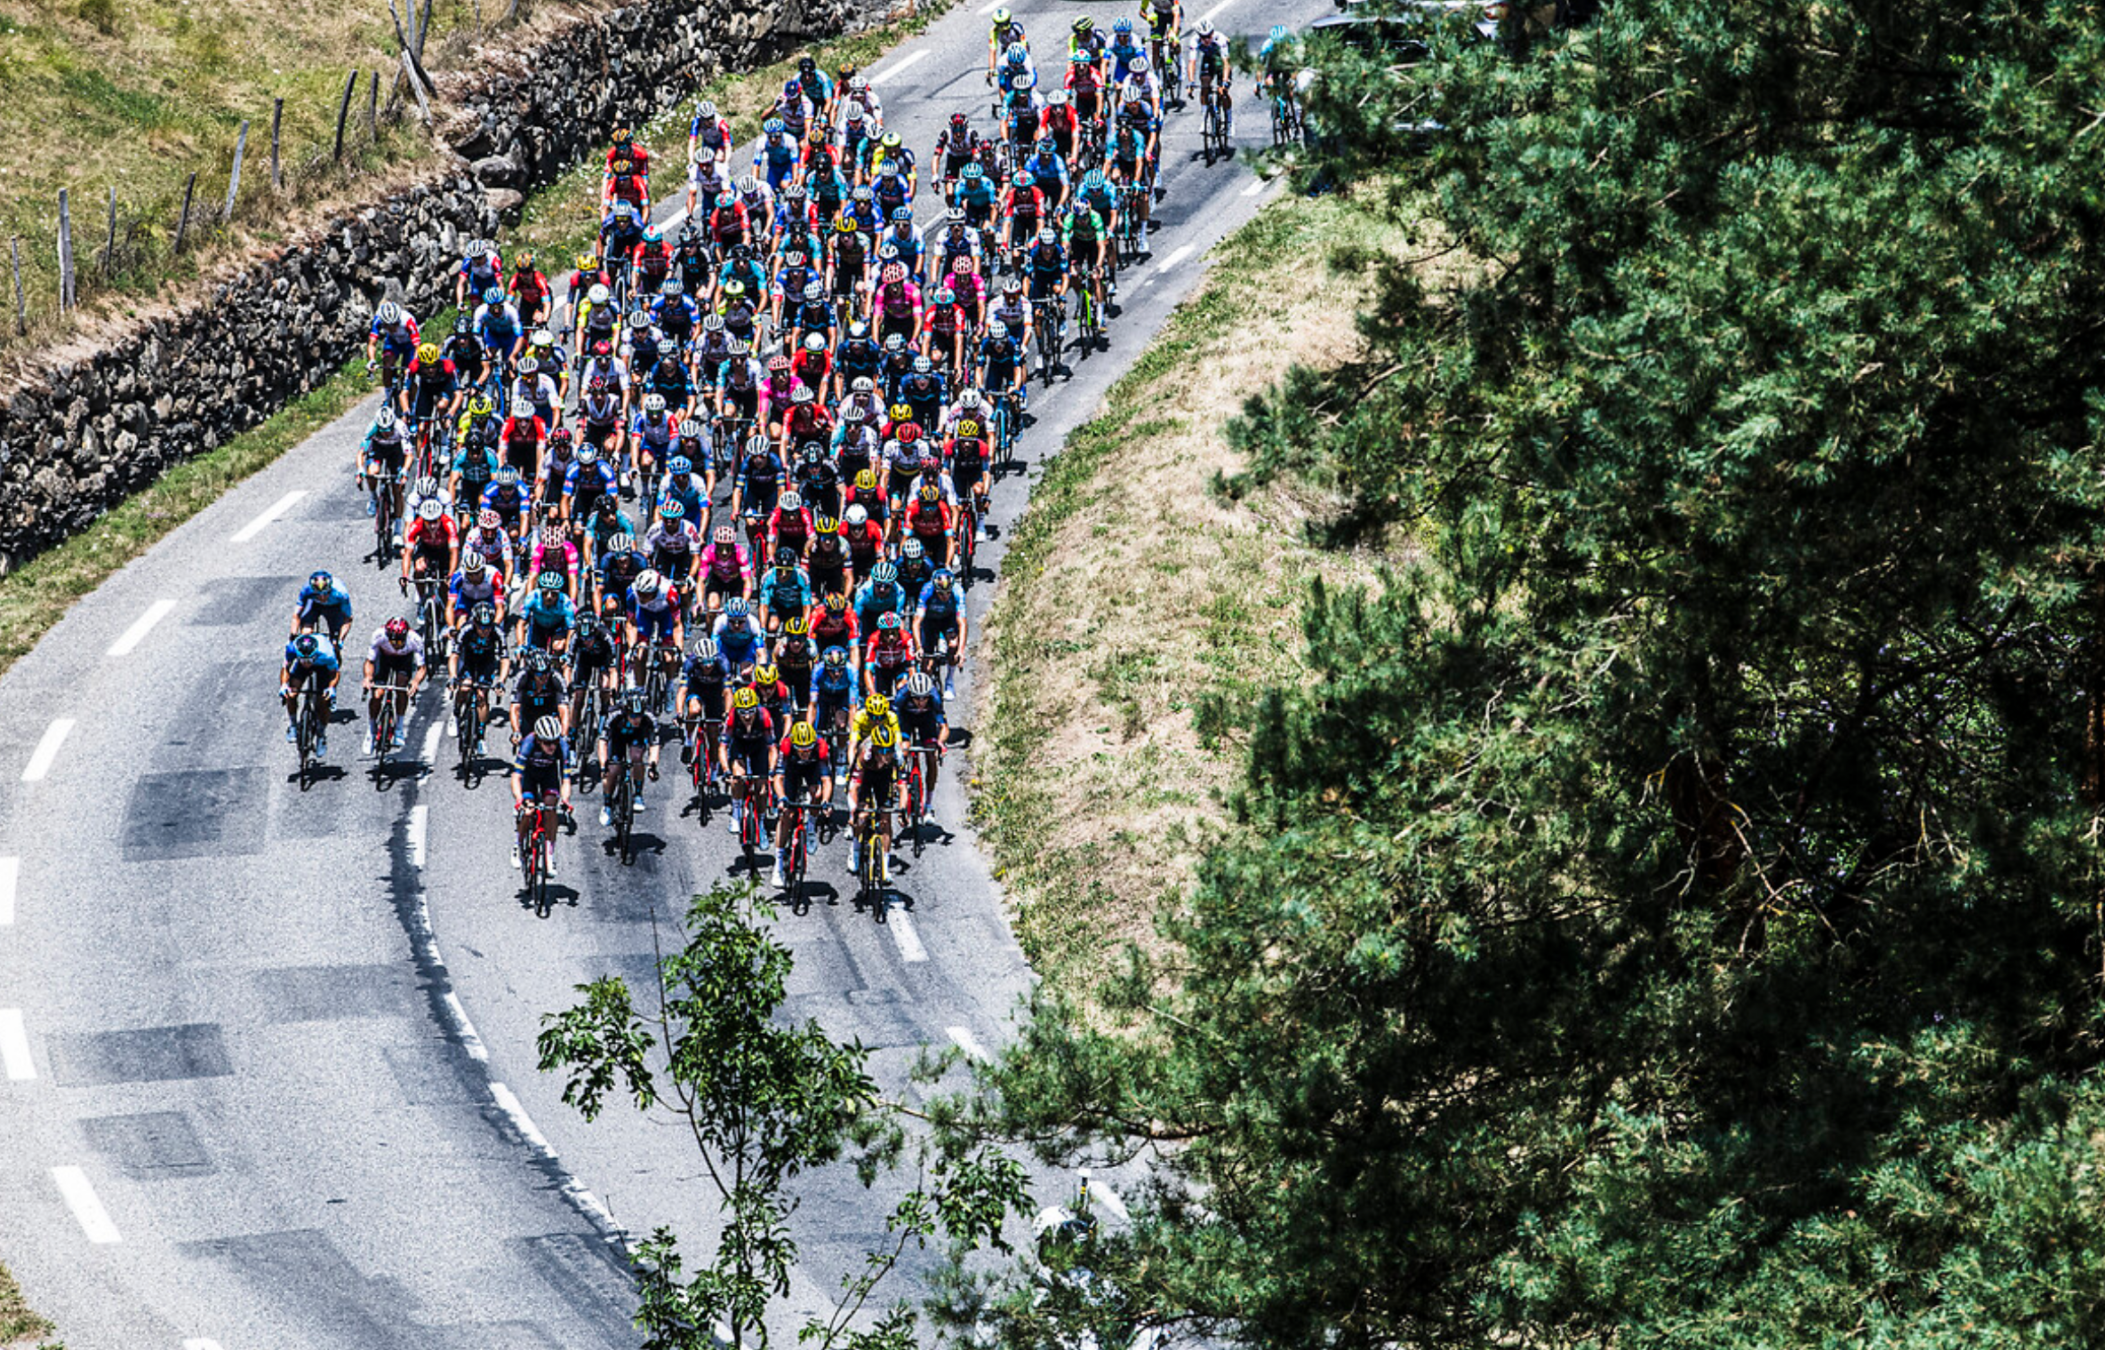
[633, 699]
[1084, 24]
[878, 706]
[912, 549]
[428, 352]
[1122, 24]
[493, 297]
[924, 364]
[485, 614]
[746, 700]
[673, 511]
[384, 420]
[680, 466]
[621, 543]
[488, 517]
[398, 631]
[551, 582]
[463, 324]
[648, 584]
[472, 562]
[429, 510]
[973, 172]
[1140, 66]
[322, 581]
[587, 622]
[884, 573]
[835, 657]
[766, 675]
[836, 603]
[1022, 179]
[548, 728]
[539, 662]
[305, 646]
[857, 514]
[1002, 17]
[736, 608]
[802, 736]
[389, 313]
[705, 649]
[919, 685]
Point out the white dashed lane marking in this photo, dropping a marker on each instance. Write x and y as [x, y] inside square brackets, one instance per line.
[1182, 252]
[46, 753]
[892, 72]
[134, 635]
[14, 1047]
[276, 509]
[81, 1199]
[903, 933]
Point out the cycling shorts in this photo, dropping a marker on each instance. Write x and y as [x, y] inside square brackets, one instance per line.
[393, 670]
[481, 669]
[654, 623]
[539, 781]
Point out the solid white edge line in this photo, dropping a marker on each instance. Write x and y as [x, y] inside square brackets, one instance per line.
[14, 1047]
[1257, 187]
[509, 1103]
[969, 1043]
[465, 1029]
[431, 741]
[417, 816]
[277, 508]
[903, 933]
[41, 760]
[134, 635]
[10, 874]
[81, 1199]
[1214, 13]
[1182, 252]
[892, 73]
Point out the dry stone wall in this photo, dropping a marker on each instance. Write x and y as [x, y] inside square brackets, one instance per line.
[94, 430]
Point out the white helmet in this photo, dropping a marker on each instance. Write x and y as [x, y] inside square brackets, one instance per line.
[429, 509]
[856, 515]
[389, 313]
[648, 583]
[654, 404]
[790, 500]
[548, 728]
[598, 294]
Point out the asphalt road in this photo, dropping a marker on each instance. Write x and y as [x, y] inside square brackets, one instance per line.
[268, 1055]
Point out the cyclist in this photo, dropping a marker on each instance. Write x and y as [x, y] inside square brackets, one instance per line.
[464, 350]
[672, 542]
[530, 291]
[834, 625]
[1123, 50]
[922, 725]
[776, 159]
[704, 681]
[738, 634]
[1164, 19]
[540, 770]
[618, 567]
[548, 616]
[708, 139]
[474, 585]
[479, 661]
[1082, 235]
[322, 604]
[390, 342]
[940, 618]
[1209, 70]
[594, 662]
[1004, 34]
[394, 664]
[888, 655]
[800, 777]
[481, 267]
[871, 792]
[747, 742]
[1085, 88]
[475, 467]
[629, 727]
[785, 592]
[539, 693]
[1085, 41]
[1022, 208]
[309, 657]
[382, 458]
[968, 452]
[430, 389]
[503, 335]
[1278, 59]
[653, 613]
[430, 547]
[1129, 160]
[508, 500]
[977, 196]
[832, 696]
[726, 568]
[1095, 193]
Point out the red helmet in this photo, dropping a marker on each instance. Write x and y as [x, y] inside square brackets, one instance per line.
[602, 348]
[559, 437]
[398, 631]
[778, 362]
[907, 432]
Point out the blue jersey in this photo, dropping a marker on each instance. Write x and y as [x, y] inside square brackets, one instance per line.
[335, 602]
[552, 617]
[688, 495]
[594, 470]
[537, 756]
[325, 662]
[938, 603]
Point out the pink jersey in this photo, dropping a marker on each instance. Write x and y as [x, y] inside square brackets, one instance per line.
[724, 563]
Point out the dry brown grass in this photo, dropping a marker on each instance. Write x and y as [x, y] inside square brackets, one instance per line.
[1136, 594]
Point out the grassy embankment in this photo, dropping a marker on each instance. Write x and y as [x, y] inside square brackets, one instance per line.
[557, 221]
[1135, 596]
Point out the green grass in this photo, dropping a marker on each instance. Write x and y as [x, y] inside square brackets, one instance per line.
[18, 1321]
[1132, 622]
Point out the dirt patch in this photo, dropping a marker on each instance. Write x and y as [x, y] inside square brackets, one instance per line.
[1136, 596]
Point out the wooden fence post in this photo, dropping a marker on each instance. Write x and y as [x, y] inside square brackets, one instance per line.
[277, 113]
[21, 301]
[182, 222]
[109, 250]
[241, 145]
[372, 108]
[343, 111]
[65, 253]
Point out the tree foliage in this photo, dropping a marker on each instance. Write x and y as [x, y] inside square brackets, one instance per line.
[765, 1102]
[1672, 916]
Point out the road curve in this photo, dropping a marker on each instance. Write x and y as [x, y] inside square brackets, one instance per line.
[268, 1055]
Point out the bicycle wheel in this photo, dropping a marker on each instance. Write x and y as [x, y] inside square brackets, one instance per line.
[794, 874]
[624, 815]
[467, 727]
[303, 722]
[749, 832]
[537, 872]
[915, 801]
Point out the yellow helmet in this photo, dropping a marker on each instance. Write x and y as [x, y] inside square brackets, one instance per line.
[968, 427]
[766, 676]
[883, 737]
[802, 736]
[586, 262]
[428, 352]
[480, 407]
[745, 700]
[866, 480]
[879, 707]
